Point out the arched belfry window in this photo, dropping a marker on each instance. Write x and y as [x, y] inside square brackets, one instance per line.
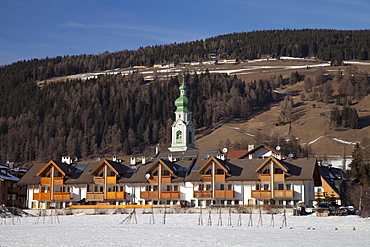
[178, 136]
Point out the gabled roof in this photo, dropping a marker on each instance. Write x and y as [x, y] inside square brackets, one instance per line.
[259, 147]
[62, 167]
[333, 177]
[167, 164]
[268, 160]
[115, 166]
[222, 165]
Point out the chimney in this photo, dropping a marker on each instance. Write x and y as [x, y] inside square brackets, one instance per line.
[143, 160]
[67, 160]
[250, 147]
[133, 161]
[114, 158]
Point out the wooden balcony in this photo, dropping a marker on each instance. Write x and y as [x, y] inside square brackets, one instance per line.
[62, 196]
[220, 178]
[283, 194]
[58, 181]
[41, 196]
[202, 194]
[149, 194]
[94, 195]
[265, 177]
[206, 178]
[45, 181]
[166, 179]
[224, 194]
[170, 194]
[279, 177]
[115, 195]
[111, 179]
[98, 180]
[261, 193]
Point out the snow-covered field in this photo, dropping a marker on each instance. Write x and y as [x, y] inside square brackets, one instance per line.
[184, 230]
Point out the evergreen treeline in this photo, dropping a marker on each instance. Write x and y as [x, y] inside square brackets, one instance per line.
[334, 45]
[114, 113]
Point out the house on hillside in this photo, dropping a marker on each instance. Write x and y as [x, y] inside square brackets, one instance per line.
[164, 65]
[259, 152]
[227, 60]
[12, 195]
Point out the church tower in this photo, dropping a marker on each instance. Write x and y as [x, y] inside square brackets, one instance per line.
[183, 130]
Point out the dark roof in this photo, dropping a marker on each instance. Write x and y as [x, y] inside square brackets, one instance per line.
[30, 177]
[335, 177]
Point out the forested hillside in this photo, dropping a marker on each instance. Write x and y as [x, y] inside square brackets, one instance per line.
[115, 114]
[112, 114]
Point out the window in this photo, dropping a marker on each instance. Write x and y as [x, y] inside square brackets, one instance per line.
[219, 171]
[222, 187]
[148, 188]
[166, 173]
[289, 187]
[155, 187]
[175, 188]
[229, 187]
[266, 171]
[281, 187]
[168, 187]
[112, 173]
[201, 187]
[178, 136]
[258, 187]
[266, 186]
[208, 187]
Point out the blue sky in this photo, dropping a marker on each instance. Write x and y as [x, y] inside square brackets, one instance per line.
[43, 28]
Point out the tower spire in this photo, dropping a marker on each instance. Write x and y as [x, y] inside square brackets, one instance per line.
[183, 129]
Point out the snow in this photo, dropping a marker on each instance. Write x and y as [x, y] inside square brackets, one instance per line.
[183, 230]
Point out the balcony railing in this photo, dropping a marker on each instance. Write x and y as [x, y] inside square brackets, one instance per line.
[279, 177]
[283, 194]
[98, 180]
[206, 178]
[62, 196]
[94, 195]
[149, 194]
[111, 179]
[45, 181]
[202, 194]
[116, 195]
[224, 194]
[220, 178]
[265, 177]
[170, 194]
[58, 181]
[41, 196]
[166, 179]
[261, 193]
